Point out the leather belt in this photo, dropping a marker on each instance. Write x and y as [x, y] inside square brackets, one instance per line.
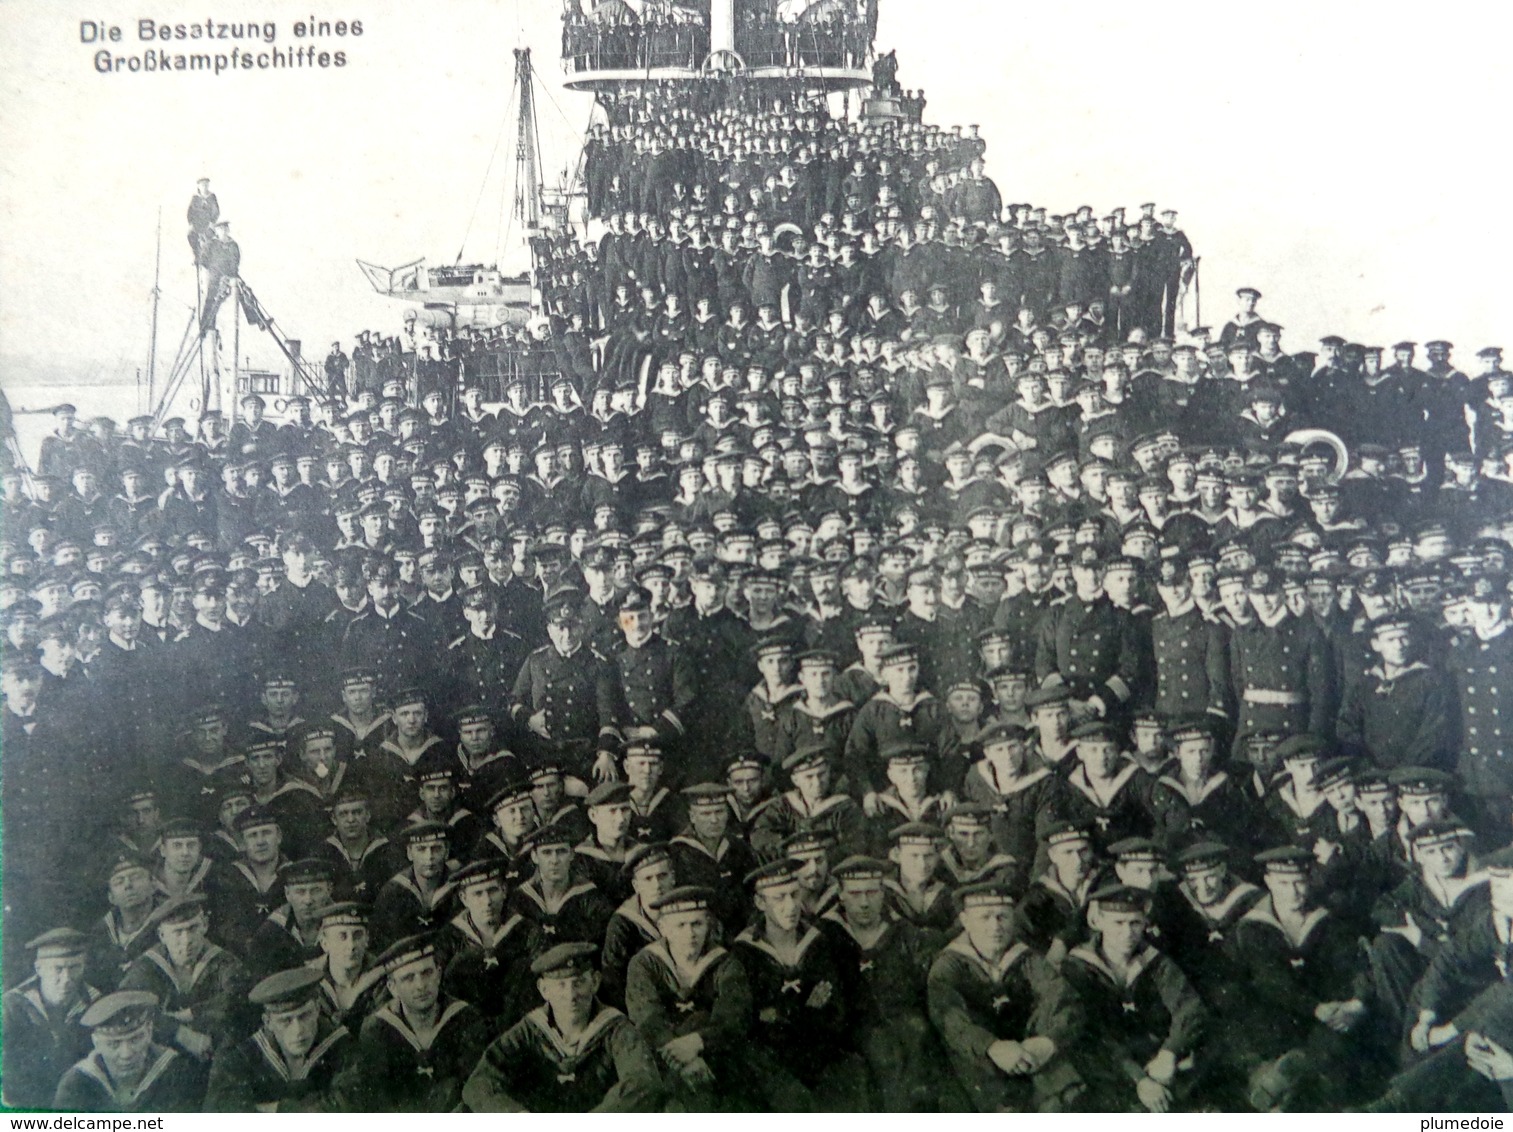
[1272, 698]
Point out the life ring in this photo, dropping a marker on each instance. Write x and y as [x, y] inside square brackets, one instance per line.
[1303, 437]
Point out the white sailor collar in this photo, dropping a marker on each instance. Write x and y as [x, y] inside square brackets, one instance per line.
[823, 806]
[275, 1058]
[93, 1067]
[1079, 780]
[1138, 964]
[532, 892]
[1212, 784]
[574, 1049]
[800, 948]
[907, 708]
[823, 713]
[986, 771]
[469, 930]
[995, 970]
[1216, 912]
[389, 1014]
[1265, 913]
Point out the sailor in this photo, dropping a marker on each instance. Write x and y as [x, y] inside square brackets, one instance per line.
[512, 815]
[710, 852]
[418, 898]
[689, 997]
[292, 1061]
[604, 853]
[1308, 993]
[810, 805]
[885, 958]
[1108, 792]
[414, 1052]
[650, 872]
[351, 983]
[1052, 915]
[44, 1034]
[971, 854]
[554, 899]
[1148, 1018]
[127, 1071]
[253, 886]
[124, 932]
[1193, 799]
[564, 696]
[798, 989]
[571, 1054]
[199, 986]
[289, 936]
[363, 859]
[487, 946]
[1442, 898]
[1006, 1017]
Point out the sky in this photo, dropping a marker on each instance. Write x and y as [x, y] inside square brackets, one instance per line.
[1346, 165]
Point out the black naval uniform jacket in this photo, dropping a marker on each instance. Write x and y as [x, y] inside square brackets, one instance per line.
[1222, 808]
[804, 1039]
[402, 909]
[493, 974]
[41, 1042]
[361, 877]
[392, 1069]
[1156, 1009]
[654, 685]
[533, 1067]
[1192, 664]
[580, 913]
[576, 692]
[348, 1005]
[798, 724]
[1201, 939]
[605, 867]
[170, 1083]
[1122, 810]
[1020, 808]
[885, 981]
[630, 929]
[1475, 958]
[279, 944]
[882, 722]
[789, 813]
[517, 865]
[932, 911]
[1408, 720]
[975, 1001]
[1480, 670]
[396, 645]
[483, 670]
[210, 997]
[1283, 677]
[655, 819]
[722, 871]
[1414, 899]
[254, 1076]
[1287, 978]
[1091, 646]
[717, 1004]
[1049, 913]
[112, 951]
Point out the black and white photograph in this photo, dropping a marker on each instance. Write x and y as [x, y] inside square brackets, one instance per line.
[755, 556]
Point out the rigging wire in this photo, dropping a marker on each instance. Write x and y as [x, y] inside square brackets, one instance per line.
[498, 137]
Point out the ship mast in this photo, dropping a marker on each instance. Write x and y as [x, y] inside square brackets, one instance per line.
[528, 185]
[152, 344]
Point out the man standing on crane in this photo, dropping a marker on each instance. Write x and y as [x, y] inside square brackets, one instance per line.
[204, 211]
